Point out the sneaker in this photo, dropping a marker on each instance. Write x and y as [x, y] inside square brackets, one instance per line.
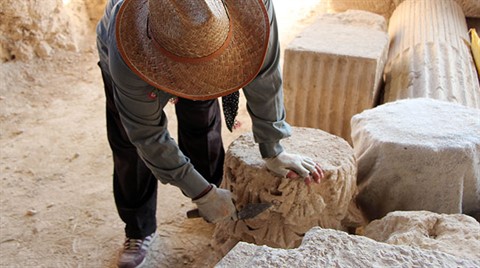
[134, 252]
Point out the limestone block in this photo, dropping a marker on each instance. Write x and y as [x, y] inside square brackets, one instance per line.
[429, 54]
[333, 70]
[455, 234]
[384, 8]
[296, 206]
[332, 248]
[418, 154]
[471, 8]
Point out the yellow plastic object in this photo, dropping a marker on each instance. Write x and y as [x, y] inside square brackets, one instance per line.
[475, 48]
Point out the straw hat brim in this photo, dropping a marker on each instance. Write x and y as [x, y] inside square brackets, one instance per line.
[236, 66]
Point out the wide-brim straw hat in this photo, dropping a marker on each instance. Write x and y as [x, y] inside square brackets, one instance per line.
[198, 49]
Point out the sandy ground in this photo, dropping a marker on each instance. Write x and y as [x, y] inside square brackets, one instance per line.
[56, 203]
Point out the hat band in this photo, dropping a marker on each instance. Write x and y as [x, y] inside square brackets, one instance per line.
[177, 58]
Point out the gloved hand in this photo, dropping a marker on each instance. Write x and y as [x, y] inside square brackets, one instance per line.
[216, 205]
[293, 166]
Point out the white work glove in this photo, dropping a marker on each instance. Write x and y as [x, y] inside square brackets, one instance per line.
[216, 205]
[293, 166]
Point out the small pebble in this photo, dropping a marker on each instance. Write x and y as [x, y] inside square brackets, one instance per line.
[31, 212]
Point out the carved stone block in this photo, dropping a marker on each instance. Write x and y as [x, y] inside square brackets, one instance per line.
[296, 206]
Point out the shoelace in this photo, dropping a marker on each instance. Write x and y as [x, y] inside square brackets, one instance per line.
[132, 245]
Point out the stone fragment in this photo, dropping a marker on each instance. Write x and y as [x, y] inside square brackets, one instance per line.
[418, 154]
[333, 70]
[43, 50]
[455, 234]
[332, 248]
[296, 206]
[429, 54]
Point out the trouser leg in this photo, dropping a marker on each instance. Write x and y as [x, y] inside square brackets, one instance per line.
[200, 138]
[134, 186]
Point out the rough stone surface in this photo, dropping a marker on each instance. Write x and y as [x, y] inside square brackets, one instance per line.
[471, 8]
[384, 8]
[332, 248]
[429, 54]
[296, 206]
[95, 9]
[456, 234]
[36, 28]
[418, 154]
[333, 70]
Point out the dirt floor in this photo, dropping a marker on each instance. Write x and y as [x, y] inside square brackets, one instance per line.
[56, 203]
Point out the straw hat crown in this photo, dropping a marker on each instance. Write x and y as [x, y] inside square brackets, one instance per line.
[198, 28]
[195, 49]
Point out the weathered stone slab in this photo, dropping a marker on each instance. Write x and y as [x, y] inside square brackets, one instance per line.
[429, 55]
[333, 70]
[296, 206]
[455, 234]
[332, 248]
[418, 154]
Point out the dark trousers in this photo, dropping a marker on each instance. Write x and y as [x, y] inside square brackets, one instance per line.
[134, 186]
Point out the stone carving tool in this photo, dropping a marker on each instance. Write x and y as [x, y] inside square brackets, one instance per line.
[247, 212]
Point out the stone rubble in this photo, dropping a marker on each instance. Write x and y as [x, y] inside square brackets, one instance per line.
[333, 248]
[455, 234]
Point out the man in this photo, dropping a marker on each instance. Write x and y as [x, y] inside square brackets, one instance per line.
[198, 50]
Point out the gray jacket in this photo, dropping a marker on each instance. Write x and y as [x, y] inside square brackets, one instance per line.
[146, 123]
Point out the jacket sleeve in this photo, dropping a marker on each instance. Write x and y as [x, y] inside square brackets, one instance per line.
[265, 98]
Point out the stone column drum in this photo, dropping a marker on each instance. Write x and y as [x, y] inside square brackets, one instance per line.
[418, 154]
[429, 54]
[296, 206]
